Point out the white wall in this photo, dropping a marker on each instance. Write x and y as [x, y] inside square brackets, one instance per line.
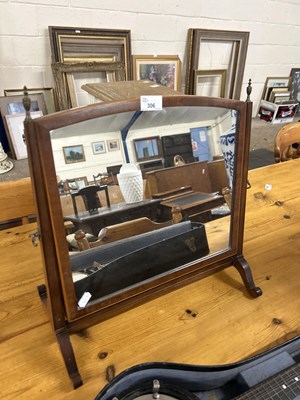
[157, 27]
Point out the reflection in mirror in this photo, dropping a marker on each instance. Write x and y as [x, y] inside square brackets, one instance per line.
[184, 157]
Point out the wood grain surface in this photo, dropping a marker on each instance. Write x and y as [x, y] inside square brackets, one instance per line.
[225, 325]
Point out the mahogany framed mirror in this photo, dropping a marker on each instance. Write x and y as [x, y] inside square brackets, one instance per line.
[194, 233]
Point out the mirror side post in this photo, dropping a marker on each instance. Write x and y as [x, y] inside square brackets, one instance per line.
[50, 293]
[239, 261]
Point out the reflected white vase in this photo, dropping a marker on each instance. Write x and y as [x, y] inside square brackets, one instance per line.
[131, 183]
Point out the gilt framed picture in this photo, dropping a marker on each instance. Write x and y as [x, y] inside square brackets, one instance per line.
[164, 70]
[74, 154]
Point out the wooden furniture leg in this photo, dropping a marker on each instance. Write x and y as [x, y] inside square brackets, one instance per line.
[65, 345]
[243, 267]
[67, 352]
[176, 214]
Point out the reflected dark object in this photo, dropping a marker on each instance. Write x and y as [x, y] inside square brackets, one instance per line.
[132, 260]
[90, 198]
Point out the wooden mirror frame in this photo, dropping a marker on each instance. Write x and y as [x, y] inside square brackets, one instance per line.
[58, 293]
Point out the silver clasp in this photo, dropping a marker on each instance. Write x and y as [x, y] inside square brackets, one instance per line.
[34, 236]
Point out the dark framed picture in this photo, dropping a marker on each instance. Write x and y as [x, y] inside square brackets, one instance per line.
[48, 93]
[113, 145]
[148, 148]
[99, 147]
[295, 86]
[163, 70]
[74, 154]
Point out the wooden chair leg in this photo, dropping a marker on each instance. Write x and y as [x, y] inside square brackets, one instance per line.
[176, 215]
[67, 352]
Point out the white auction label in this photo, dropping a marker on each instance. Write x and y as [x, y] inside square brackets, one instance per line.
[151, 103]
[84, 299]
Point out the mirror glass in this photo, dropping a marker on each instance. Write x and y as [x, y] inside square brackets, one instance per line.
[184, 159]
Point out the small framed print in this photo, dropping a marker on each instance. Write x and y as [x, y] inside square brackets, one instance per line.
[99, 147]
[113, 145]
[74, 154]
[15, 126]
[210, 82]
[163, 70]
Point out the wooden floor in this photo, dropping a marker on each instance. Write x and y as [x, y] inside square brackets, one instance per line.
[226, 324]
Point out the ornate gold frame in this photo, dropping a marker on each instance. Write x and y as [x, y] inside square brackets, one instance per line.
[63, 78]
[74, 44]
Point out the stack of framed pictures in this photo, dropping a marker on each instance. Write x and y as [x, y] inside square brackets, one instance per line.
[277, 104]
[13, 115]
[276, 89]
[86, 55]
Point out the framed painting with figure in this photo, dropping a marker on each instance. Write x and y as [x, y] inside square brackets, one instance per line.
[163, 70]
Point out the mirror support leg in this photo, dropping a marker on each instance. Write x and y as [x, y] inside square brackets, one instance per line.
[67, 352]
[243, 267]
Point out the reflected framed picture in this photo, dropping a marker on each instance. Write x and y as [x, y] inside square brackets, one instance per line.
[74, 154]
[99, 147]
[15, 126]
[148, 148]
[210, 82]
[113, 145]
[164, 70]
